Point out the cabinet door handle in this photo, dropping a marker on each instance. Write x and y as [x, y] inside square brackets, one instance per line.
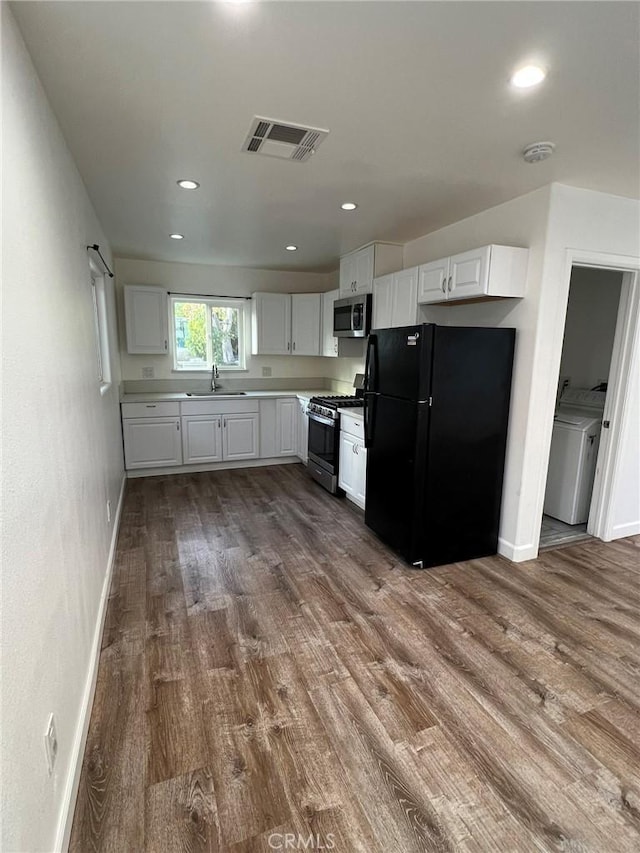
[449, 288]
[294, 345]
[165, 344]
[444, 284]
[178, 425]
[151, 405]
[288, 345]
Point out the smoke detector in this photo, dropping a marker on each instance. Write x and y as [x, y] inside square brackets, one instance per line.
[537, 151]
[275, 138]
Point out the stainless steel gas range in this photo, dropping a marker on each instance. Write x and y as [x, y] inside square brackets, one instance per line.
[324, 437]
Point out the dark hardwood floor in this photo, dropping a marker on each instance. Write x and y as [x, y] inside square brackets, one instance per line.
[268, 667]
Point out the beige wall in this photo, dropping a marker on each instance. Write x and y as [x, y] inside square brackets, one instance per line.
[224, 281]
[62, 454]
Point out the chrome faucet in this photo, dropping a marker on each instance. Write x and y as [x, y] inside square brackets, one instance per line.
[214, 376]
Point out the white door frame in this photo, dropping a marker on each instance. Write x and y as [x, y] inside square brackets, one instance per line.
[626, 339]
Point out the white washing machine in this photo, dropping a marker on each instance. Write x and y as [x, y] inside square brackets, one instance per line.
[574, 451]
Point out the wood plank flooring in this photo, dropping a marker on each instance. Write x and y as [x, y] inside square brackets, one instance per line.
[268, 667]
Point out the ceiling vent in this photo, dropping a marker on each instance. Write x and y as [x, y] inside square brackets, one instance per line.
[275, 138]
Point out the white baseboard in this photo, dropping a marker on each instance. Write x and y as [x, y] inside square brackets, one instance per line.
[65, 821]
[517, 553]
[211, 466]
[622, 530]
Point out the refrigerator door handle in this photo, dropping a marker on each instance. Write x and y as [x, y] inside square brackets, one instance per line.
[369, 417]
[370, 366]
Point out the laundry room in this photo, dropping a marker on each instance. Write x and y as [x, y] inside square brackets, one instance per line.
[590, 329]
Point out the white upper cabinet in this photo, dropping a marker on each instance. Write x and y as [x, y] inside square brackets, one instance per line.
[286, 324]
[404, 309]
[146, 317]
[382, 302]
[329, 342]
[306, 321]
[432, 281]
[489, 272]
[347, 275]
[271, 324]
[468, 274]
[395, 299]
[364, 270]
[359, 268]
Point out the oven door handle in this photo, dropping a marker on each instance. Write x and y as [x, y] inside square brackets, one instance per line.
[321, 419]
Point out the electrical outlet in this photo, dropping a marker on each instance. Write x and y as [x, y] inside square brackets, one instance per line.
[51, 743]
[147, 373]
[108, 512]
[266, 371]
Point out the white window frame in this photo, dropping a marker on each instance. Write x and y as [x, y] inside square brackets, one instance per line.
[101, 325]
[215, 302]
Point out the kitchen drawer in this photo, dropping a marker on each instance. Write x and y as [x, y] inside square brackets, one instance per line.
[150, 410]
[220, 407]
[354, 426]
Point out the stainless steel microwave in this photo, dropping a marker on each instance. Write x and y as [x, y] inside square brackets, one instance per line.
[352, 316]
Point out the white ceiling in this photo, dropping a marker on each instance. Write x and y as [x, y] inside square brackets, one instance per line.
[425, 129]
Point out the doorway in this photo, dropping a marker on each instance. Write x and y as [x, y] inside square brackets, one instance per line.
[587, 352]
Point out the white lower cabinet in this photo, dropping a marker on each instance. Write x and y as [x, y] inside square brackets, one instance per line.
[201, 439]
[286, 426]
[352, 471]
[240, 436]
[303, 430]
[152, 442]
[200, 432]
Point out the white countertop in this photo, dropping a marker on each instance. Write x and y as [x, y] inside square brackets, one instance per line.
[167, 396]
[356, 412]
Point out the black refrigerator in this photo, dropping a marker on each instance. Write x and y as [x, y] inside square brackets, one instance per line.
[436, 416]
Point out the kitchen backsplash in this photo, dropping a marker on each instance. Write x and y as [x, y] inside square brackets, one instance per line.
[171, 386]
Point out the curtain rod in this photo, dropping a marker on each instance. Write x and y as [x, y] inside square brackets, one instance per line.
[207, 295]
[96, 248]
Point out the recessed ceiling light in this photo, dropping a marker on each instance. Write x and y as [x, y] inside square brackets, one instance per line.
[177, 236]
[529, 75]
[188, 184]
[291, 248]
[349, 205]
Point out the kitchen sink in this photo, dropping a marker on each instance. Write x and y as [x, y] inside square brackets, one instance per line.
[216, 393]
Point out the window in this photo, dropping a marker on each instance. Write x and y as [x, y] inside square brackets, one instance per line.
[100, 318]
[206, 332]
